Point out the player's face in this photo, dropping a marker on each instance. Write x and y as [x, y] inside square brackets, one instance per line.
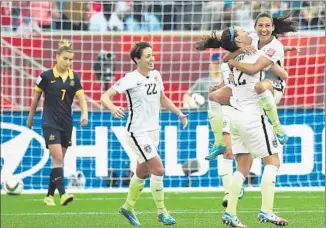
[147, 59]
[264, 28]
[64, 60]
[242, 36]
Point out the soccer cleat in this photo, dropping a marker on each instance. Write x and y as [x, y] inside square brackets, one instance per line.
[282, 138]
[231, 220]
[214, 151]
[280, 134]
[66, 199]
[225, 199]
[49, 201]
[130, 215]
[272, 218]
[166, 218]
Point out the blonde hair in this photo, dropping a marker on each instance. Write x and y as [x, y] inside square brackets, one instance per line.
[65, 45]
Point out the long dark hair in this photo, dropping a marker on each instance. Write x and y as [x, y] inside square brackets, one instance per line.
[226, 41]
[282, 24]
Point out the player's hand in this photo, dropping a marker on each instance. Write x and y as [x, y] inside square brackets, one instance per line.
[83, 120]
[184, 119]
[118, 112]
[249, 50]
[213, 88]
[292, 48]
[231, 63]
[29, 122]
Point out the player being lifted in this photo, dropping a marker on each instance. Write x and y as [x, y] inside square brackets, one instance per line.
[252, 135]
[60, 85]
[273, 50]
[145, 94]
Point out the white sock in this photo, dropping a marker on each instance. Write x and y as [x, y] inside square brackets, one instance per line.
[268, 188]
[225, 170]
[235, 188]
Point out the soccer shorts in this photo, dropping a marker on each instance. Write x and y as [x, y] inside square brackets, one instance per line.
[252, 134]
[143, 144]
[55, 136]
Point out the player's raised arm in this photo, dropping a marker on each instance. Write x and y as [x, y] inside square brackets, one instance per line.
[169, 105]
[106, 100]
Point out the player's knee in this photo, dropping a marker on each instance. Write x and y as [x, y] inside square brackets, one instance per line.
[159, 171]
[57, 161]
[260, 87]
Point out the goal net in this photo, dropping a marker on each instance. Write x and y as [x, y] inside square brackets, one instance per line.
[102, 34]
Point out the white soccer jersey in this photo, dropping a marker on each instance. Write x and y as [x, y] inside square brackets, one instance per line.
[245, 97]
[143, 95]
[273, 51]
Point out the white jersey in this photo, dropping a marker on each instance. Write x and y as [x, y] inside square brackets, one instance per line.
[144, 96]
[273, 51]
[244, 95]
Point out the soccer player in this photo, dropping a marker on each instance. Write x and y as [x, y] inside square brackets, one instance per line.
[145, 94]
[251, 134]
[271, 89]
[60, 85]
[271, 56]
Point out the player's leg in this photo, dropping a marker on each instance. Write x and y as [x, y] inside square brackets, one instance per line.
[53, 143]
[266, 146]
[136, 186]
[215, 116]
[266, 214]
[265, 91]
[65, 198]
[244, 162]
[156, 181]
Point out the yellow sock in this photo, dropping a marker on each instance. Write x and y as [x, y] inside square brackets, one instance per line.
[225, 170]
[268, 188]
[267, 101]
[215, 117]
[136, 185]
[156, 183]
[234, 188]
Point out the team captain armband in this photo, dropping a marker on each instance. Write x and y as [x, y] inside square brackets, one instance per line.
[78, 92]
[38, 89]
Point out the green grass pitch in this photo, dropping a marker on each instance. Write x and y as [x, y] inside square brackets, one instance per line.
[202, 209]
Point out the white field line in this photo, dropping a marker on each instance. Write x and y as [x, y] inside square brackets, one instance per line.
[180, 197]
[149, 212]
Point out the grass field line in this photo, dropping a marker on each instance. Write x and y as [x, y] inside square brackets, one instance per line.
[180, 197]
[149, 212]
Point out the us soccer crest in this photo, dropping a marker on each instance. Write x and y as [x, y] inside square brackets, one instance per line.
[72, 83]
[147, 148]
[274, 142]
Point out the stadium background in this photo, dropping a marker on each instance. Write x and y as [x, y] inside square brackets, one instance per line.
[28, 46]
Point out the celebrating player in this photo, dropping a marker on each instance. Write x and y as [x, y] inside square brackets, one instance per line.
[252, 135]
[265, 39]
[60, 85]
[145, 93]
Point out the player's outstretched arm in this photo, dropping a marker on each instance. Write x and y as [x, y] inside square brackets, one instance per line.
[36, 98]
[83, 106]
[106, 100]
[168, 104]
[251, 68]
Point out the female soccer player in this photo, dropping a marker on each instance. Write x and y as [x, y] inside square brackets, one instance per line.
[145, 93]
[252, 135]
[271, 89]
[60, 85]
